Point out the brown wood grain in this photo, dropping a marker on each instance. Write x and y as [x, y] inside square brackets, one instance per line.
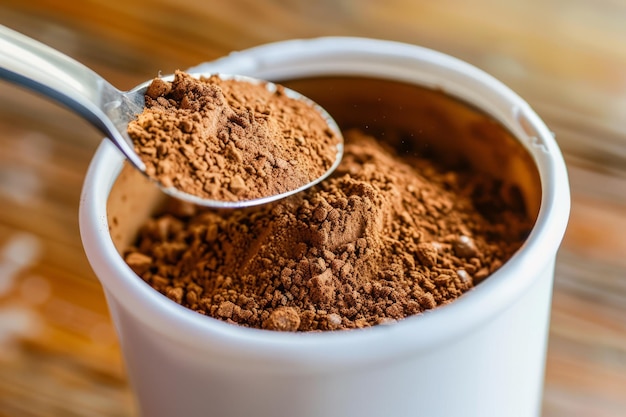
[58, 353]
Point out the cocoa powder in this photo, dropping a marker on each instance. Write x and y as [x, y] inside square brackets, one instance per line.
[230, 140]
[385, 237]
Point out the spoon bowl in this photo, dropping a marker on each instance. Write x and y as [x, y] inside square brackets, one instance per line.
[31, 64]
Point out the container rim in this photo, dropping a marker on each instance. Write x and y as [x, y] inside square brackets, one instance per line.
[333, 56]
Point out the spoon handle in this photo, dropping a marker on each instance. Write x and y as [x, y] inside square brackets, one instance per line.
[31, 64]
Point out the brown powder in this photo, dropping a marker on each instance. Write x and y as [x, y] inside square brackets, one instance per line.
[384, 238]
[230, 140]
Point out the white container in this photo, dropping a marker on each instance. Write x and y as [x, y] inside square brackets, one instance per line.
[482, 355]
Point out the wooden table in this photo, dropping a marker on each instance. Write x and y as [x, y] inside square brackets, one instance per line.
[58, 352]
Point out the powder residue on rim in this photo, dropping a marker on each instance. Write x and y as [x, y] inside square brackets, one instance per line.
[384, 238]
[230, 140]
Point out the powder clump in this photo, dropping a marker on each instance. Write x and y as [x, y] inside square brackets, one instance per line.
[385, 237]
[230, 140]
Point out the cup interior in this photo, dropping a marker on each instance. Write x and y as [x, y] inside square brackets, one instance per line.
[408, 117]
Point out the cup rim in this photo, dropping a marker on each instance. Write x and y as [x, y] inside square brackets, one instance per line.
[349, 347]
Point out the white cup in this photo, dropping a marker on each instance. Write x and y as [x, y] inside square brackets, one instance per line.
[481, 355]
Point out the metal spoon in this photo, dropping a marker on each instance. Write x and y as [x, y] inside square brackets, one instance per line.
[29, 63]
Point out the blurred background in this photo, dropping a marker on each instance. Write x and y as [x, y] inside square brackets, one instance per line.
[58, 352]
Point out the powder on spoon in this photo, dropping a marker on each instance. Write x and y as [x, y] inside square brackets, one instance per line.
[230, 140]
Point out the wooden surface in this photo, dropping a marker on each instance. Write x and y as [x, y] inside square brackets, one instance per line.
[58, 353]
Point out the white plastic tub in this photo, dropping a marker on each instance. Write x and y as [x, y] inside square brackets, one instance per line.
[482, 355]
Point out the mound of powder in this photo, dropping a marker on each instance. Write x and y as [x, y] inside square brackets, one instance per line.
[385, 237]
[230, 140]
